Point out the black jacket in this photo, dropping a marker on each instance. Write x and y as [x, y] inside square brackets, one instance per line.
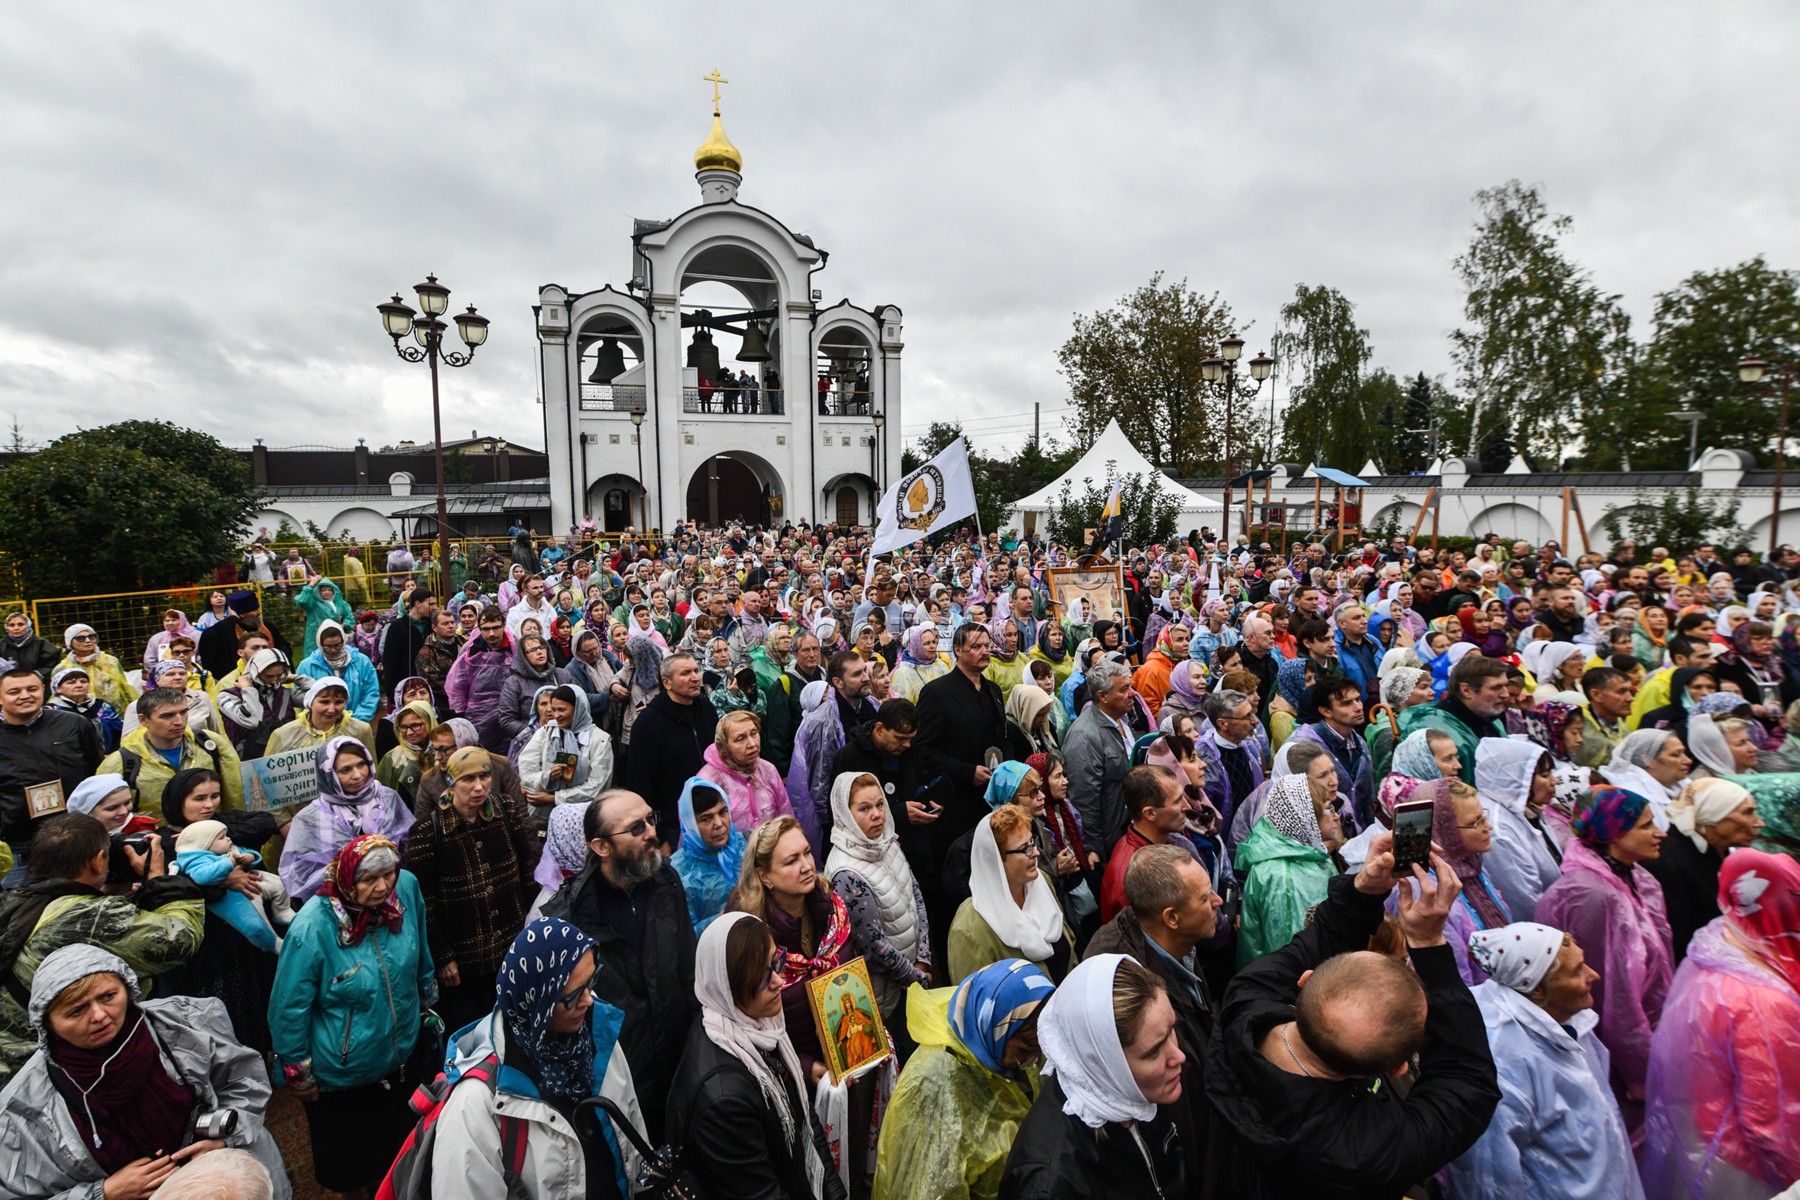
[1265, 669]
[727, 1129]
[1208, 1148]
[1690, 885]
[400, 650]
[653, 985]
[34, 653]
[957, 726]
[1348, 1138]
[57, 745]
[668, 742]
[1057, 1157]
[217, 648]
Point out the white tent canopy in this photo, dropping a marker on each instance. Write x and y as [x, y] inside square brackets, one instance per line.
[1112, 446]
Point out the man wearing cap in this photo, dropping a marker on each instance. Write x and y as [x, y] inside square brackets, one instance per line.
[1558, 1131]
[219, 644]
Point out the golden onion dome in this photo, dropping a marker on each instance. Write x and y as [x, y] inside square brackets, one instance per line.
[717, 153]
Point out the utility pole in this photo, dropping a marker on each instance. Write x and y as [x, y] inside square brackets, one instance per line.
[1034, 421]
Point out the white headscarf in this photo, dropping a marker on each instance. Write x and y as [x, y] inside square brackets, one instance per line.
[1549, 659]
[1628, 768]
[1516, 956]
[1708, 746]
[847, 836]
[1505, 768]
[330, 681]
[1080, 1040]
[1704, 804]
[1031, 930]
[745, 1038]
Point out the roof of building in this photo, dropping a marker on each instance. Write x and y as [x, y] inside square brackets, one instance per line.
[476, 505]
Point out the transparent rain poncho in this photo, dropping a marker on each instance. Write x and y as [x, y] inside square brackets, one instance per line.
[1723, 1111]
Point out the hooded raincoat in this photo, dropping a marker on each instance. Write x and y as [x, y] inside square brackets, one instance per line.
[475, 683]
[1724, 1083]
[707, 875]
[354, 668]
[584, 742]
[517, 709]
[1521, 863]
[46, 1154]
[954, 1114]
[321, 601]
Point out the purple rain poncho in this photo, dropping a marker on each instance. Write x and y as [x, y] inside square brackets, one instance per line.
[331, 821]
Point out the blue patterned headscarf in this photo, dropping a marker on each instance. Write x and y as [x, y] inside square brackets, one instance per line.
[994, 1003]
[1606, 814]
[1413, 757]
[533, 975]
[729, 857]
[1290, 681]
[1004, 784]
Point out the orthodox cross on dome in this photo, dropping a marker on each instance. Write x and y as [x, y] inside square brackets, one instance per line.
[715, 79]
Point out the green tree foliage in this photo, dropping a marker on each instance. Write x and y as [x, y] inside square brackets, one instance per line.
[1322, 354]
[1139, 361]
[1703, 327]
[1384, 400]
[1541, 343]
[1147, 514]
[1496, 450]
[136, 505]
[1412, 445]
[1672, 518]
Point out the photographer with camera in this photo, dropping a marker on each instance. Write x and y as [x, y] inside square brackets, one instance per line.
[121, 1091]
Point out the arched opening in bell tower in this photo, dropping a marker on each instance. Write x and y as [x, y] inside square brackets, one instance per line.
[736, 486]
[730, 333]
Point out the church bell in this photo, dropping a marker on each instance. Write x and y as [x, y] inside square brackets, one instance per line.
[755, 348]
[702, 355]
[609, 362]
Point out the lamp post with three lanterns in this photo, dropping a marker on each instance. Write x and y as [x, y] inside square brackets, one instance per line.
[399, 319]
[1220, 374]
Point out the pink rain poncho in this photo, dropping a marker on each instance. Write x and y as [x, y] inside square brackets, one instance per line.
[1626, 938]
[1723, 1118]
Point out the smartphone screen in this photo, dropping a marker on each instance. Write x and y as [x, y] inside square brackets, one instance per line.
[1412, 836]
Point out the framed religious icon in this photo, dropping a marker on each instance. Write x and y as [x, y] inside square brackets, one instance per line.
[847, 1019]
[1083, 595]
[45, 799]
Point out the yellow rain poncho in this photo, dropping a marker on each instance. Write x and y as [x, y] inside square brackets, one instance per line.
[951, 1120]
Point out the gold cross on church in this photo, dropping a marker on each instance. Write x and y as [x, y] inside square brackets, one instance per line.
[715, 79]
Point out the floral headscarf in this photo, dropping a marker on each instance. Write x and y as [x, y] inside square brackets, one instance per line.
[1546, 725]
[1605, 814]
[370, 854]
[565, 847]
[1413, 757]
[993, 1004]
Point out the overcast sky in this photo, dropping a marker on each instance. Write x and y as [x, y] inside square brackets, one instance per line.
[201, 204]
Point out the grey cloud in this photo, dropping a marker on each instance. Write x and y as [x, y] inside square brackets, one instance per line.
[205, 202]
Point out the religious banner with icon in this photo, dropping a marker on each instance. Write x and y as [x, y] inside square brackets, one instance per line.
[847, 1019]
[924, 501]
[1084, 595]
[280, 781]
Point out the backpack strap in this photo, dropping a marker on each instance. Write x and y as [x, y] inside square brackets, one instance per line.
[513, 1131]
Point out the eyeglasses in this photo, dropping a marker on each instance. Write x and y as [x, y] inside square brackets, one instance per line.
[1480, 822]
[774, 970]
[635, 829]
[1029, 849]
[573, 1000]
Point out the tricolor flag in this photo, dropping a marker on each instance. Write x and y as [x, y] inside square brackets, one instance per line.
[1111, 517]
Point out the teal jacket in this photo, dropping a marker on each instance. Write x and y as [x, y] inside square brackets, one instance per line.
[1282, 879]
[1430, 716]
[319, 610]
[352, 1011]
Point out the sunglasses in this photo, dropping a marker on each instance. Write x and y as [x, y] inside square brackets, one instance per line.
[572, 1001]
[774, 977]
[635, 829]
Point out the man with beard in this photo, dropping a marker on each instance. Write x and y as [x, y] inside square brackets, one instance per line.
[631, 902]
[218, 648]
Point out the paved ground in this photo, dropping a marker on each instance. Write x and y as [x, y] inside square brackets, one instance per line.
[287, 1122]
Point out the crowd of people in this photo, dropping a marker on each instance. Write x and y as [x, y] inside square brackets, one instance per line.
[1368, 872]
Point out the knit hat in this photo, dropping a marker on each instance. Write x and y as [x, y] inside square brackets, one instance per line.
[198, 836]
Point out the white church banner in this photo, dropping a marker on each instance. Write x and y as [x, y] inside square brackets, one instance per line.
[924, 501]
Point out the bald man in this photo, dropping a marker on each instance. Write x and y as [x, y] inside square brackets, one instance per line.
[1324, 1010]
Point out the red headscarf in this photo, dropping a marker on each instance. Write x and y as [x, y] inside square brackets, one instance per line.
[1065, 833]
[354, 920]
[1760, 896]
